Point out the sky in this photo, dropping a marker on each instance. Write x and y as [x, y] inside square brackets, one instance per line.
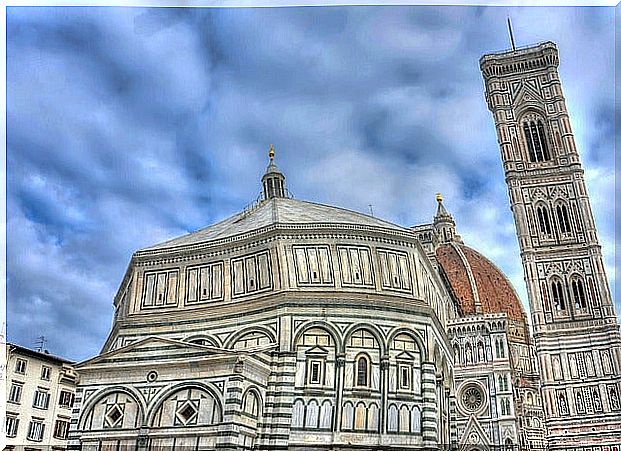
[130, 126]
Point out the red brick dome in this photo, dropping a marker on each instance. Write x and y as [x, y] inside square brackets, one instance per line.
[477, 284]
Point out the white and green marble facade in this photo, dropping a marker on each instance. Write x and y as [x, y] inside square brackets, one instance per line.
[230, 326]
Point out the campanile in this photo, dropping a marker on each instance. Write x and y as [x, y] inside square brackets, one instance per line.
[575, 326]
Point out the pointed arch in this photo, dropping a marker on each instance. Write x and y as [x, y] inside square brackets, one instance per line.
[544, 220]
[578, 291]
[558, 293]
[563, 217]
[534, 133]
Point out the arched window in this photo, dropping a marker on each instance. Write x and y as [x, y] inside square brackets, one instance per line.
[534, 134]
[544, 220]
[503, 385]
[557, 295]
[563, 219]
[577, 289]
[500, 348]
[362, 371]
[505, 407]
[251, 404]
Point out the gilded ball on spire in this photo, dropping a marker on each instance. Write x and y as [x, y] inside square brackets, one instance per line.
[439, 197]
[271, 153]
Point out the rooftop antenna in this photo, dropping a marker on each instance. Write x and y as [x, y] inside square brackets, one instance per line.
[40, 343]
[371, 210]
[511, 33]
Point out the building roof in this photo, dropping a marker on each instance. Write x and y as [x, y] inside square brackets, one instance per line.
[278, 210]
[478, 285]
[38, 355]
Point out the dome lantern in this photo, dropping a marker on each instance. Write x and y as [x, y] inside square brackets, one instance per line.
[444, 224]
[273, 180]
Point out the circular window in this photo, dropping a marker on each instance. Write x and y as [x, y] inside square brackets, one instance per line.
[472, 398]
[151, 376]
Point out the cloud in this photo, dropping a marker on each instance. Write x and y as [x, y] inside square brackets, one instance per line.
[134, 126]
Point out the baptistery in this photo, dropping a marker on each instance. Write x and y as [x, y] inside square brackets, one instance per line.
[291, 325]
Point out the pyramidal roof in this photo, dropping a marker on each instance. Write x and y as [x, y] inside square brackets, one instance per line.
[282, 211]
[277, 207]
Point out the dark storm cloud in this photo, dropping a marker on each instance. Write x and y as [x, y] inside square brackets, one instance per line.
[129, 126]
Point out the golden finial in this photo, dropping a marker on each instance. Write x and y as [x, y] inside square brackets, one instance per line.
[271, 151]
[439, 197]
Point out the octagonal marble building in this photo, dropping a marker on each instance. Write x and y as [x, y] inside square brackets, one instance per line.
[291, 325]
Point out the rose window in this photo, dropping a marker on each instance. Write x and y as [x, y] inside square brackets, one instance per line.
[472, 398]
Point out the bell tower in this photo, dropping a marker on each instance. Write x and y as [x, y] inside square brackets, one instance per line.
[575, 327]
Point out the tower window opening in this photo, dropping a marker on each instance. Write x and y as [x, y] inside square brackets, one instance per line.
[536, 141]
[557, 295]
[577, 288]
[563, 218]
[500, 348]
[544, 220]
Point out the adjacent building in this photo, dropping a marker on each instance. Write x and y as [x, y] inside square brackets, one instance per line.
[39, 399]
